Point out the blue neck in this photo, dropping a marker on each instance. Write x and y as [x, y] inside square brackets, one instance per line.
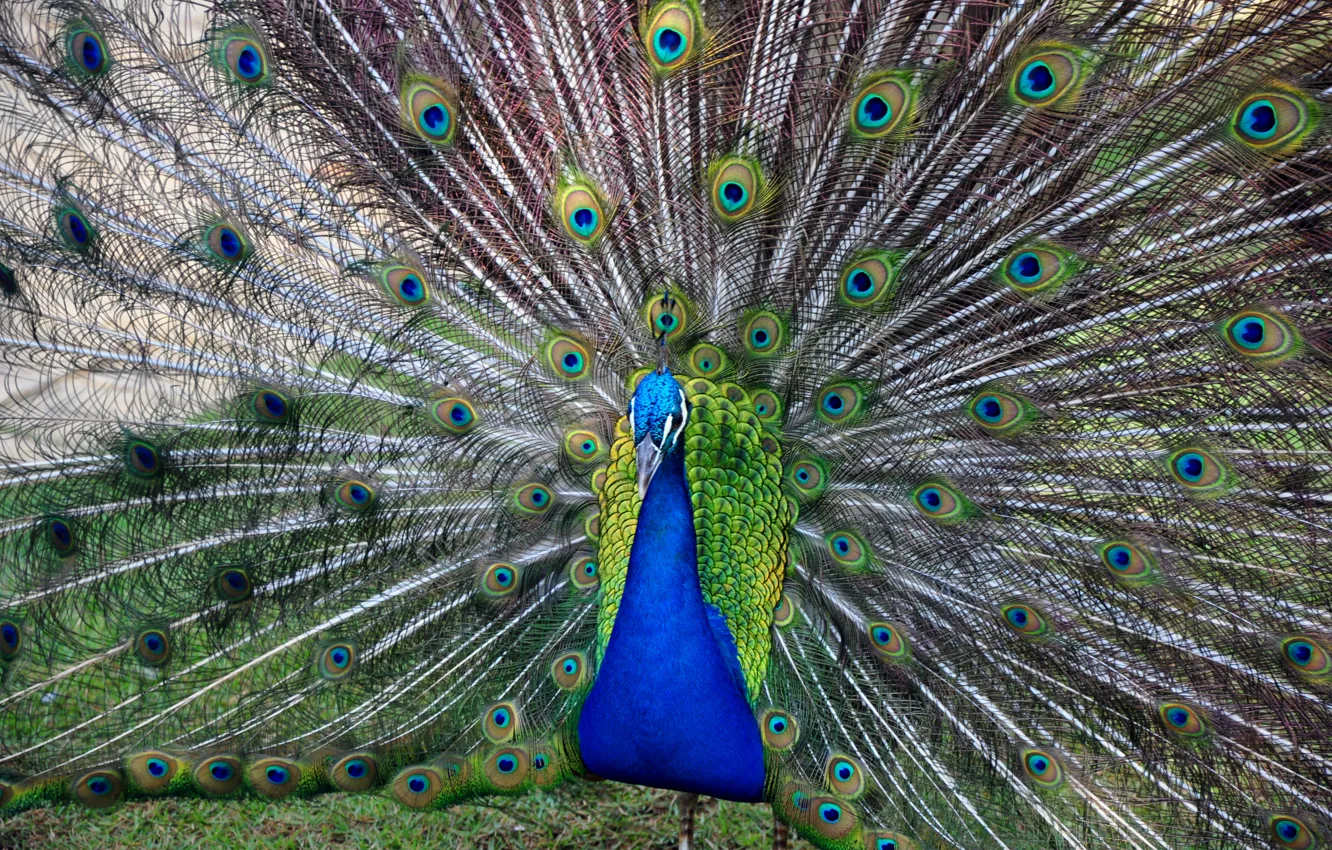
[668, 706]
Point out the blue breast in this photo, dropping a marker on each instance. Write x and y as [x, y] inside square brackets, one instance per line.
[668, 707]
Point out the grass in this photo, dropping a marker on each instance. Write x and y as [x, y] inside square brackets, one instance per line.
[576, 815]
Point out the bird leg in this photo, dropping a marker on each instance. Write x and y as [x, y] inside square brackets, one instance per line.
[781, 834]
[688, 804]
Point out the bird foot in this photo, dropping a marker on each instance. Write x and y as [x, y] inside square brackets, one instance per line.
[688, 805]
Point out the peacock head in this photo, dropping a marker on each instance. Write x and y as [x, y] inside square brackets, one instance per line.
[657, 416]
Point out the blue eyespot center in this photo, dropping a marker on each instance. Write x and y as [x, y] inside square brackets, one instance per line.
[61, 533]
[501, 718]
[874, 111]
[777, 725]
[1038, 764]
[417, 783]
[861, 283]
[886, 844]
[157, 767]
[842, 545]
[931, 499]
[584, 221]
[1120, 557]
[340, 657]
[9, 634]
[1250, 332]
[459, 414]
[990, 409]
[1178, 717]
[1018, 617]
[358, 494]
[274, 404]
[248, 63]
[573, 361]
[435, 120]
[1026, 267]
[99, 785]
[356, 768]
[882, 636]
[220, 770]
[539, 761]
[1259, 119]
[1190, 466]
[1288, 830]
[590, 568]
[570, 667]
[276, 775]
[830, 812]
[845, 771]
[506, 764]
[154, 642]
[1301, 652]
[145, 457]
[1037, 79]
[834, 403]
[669, 44]
[78, 230]
[228, 242]
[412, 288]
[235, 579]
[733, 195]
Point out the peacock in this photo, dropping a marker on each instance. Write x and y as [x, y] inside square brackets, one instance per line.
[911, 415]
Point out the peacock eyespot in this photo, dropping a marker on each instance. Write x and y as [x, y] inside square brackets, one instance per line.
[581, 214]
[809, 477]
[888, 641]
[582, 446]
[939, 502]
[9, 286]
[1036, 270]
[668, 316]
[355, 772]
[274, 778]
[86, 52]
[583, 572]
[1024, 619]
[218, 776]
[844, 776]
[1307, 655]
[766, 406]
[59, 535]
[1272, 121]
[840, 403]
[507, 767]
[533, 499]
[780, 730]
[880, 107]
[143, 460]
[763, 334]
[500, 580]
[783, 614]
[832, 819]
[848, 550]
[500, 723]
[1182, 720]
[271, 406]
[672, 35]
[405, 284]
[1198, 470]
[453, 415]
[707, 360]
[355, 496]
[868, 281]
[417, 787]
[234, 584]
[245, 60]
[430, 109]
[1260, 336]
[999, 412]
[152, 771]
[568, 670]
[735, 188]
[1291, 832]
[153, 647]
[11, 640]
[567, 358]
[1043, 768]
[336, 661]
[226, 244]
[1046, 78]
[75, 230]
[99, 789]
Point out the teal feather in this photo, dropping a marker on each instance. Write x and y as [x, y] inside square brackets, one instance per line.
[1007, 326]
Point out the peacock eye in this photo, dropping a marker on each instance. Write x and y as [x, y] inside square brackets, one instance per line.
[999, 412]
[888, 641]
[355, 772]
[86, 52]
[1291, 832]
[840, 403]
[672, 35]
[226, 244]
[1024, 619]
[59, 535]
[75, 230]
[453, 415]
[1182, 721]
[583, 573]
[567, 670]
[809, 478]
[581, 213]
[844, 776]
[707, 360]
[1043, 768]
[668, 316]
[1046, 78]
[1260, 336]
[153, 647]
[1271, 121]
[1199, 471]
[939, 502]
[244, 59]
[1309, 656]
[735, 185]
[355, 496]
[429, 107]
[868, 281]
[11, 640]
[405, 285]
[270, 406]
[763, 333]
[336, 661]
[533, 499]
[1036, 270]
[848, 550]
[780, 731]
[880, 107]
[567, 358]
[500, 580]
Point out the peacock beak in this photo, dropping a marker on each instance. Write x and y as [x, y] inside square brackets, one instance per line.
[649, 460]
